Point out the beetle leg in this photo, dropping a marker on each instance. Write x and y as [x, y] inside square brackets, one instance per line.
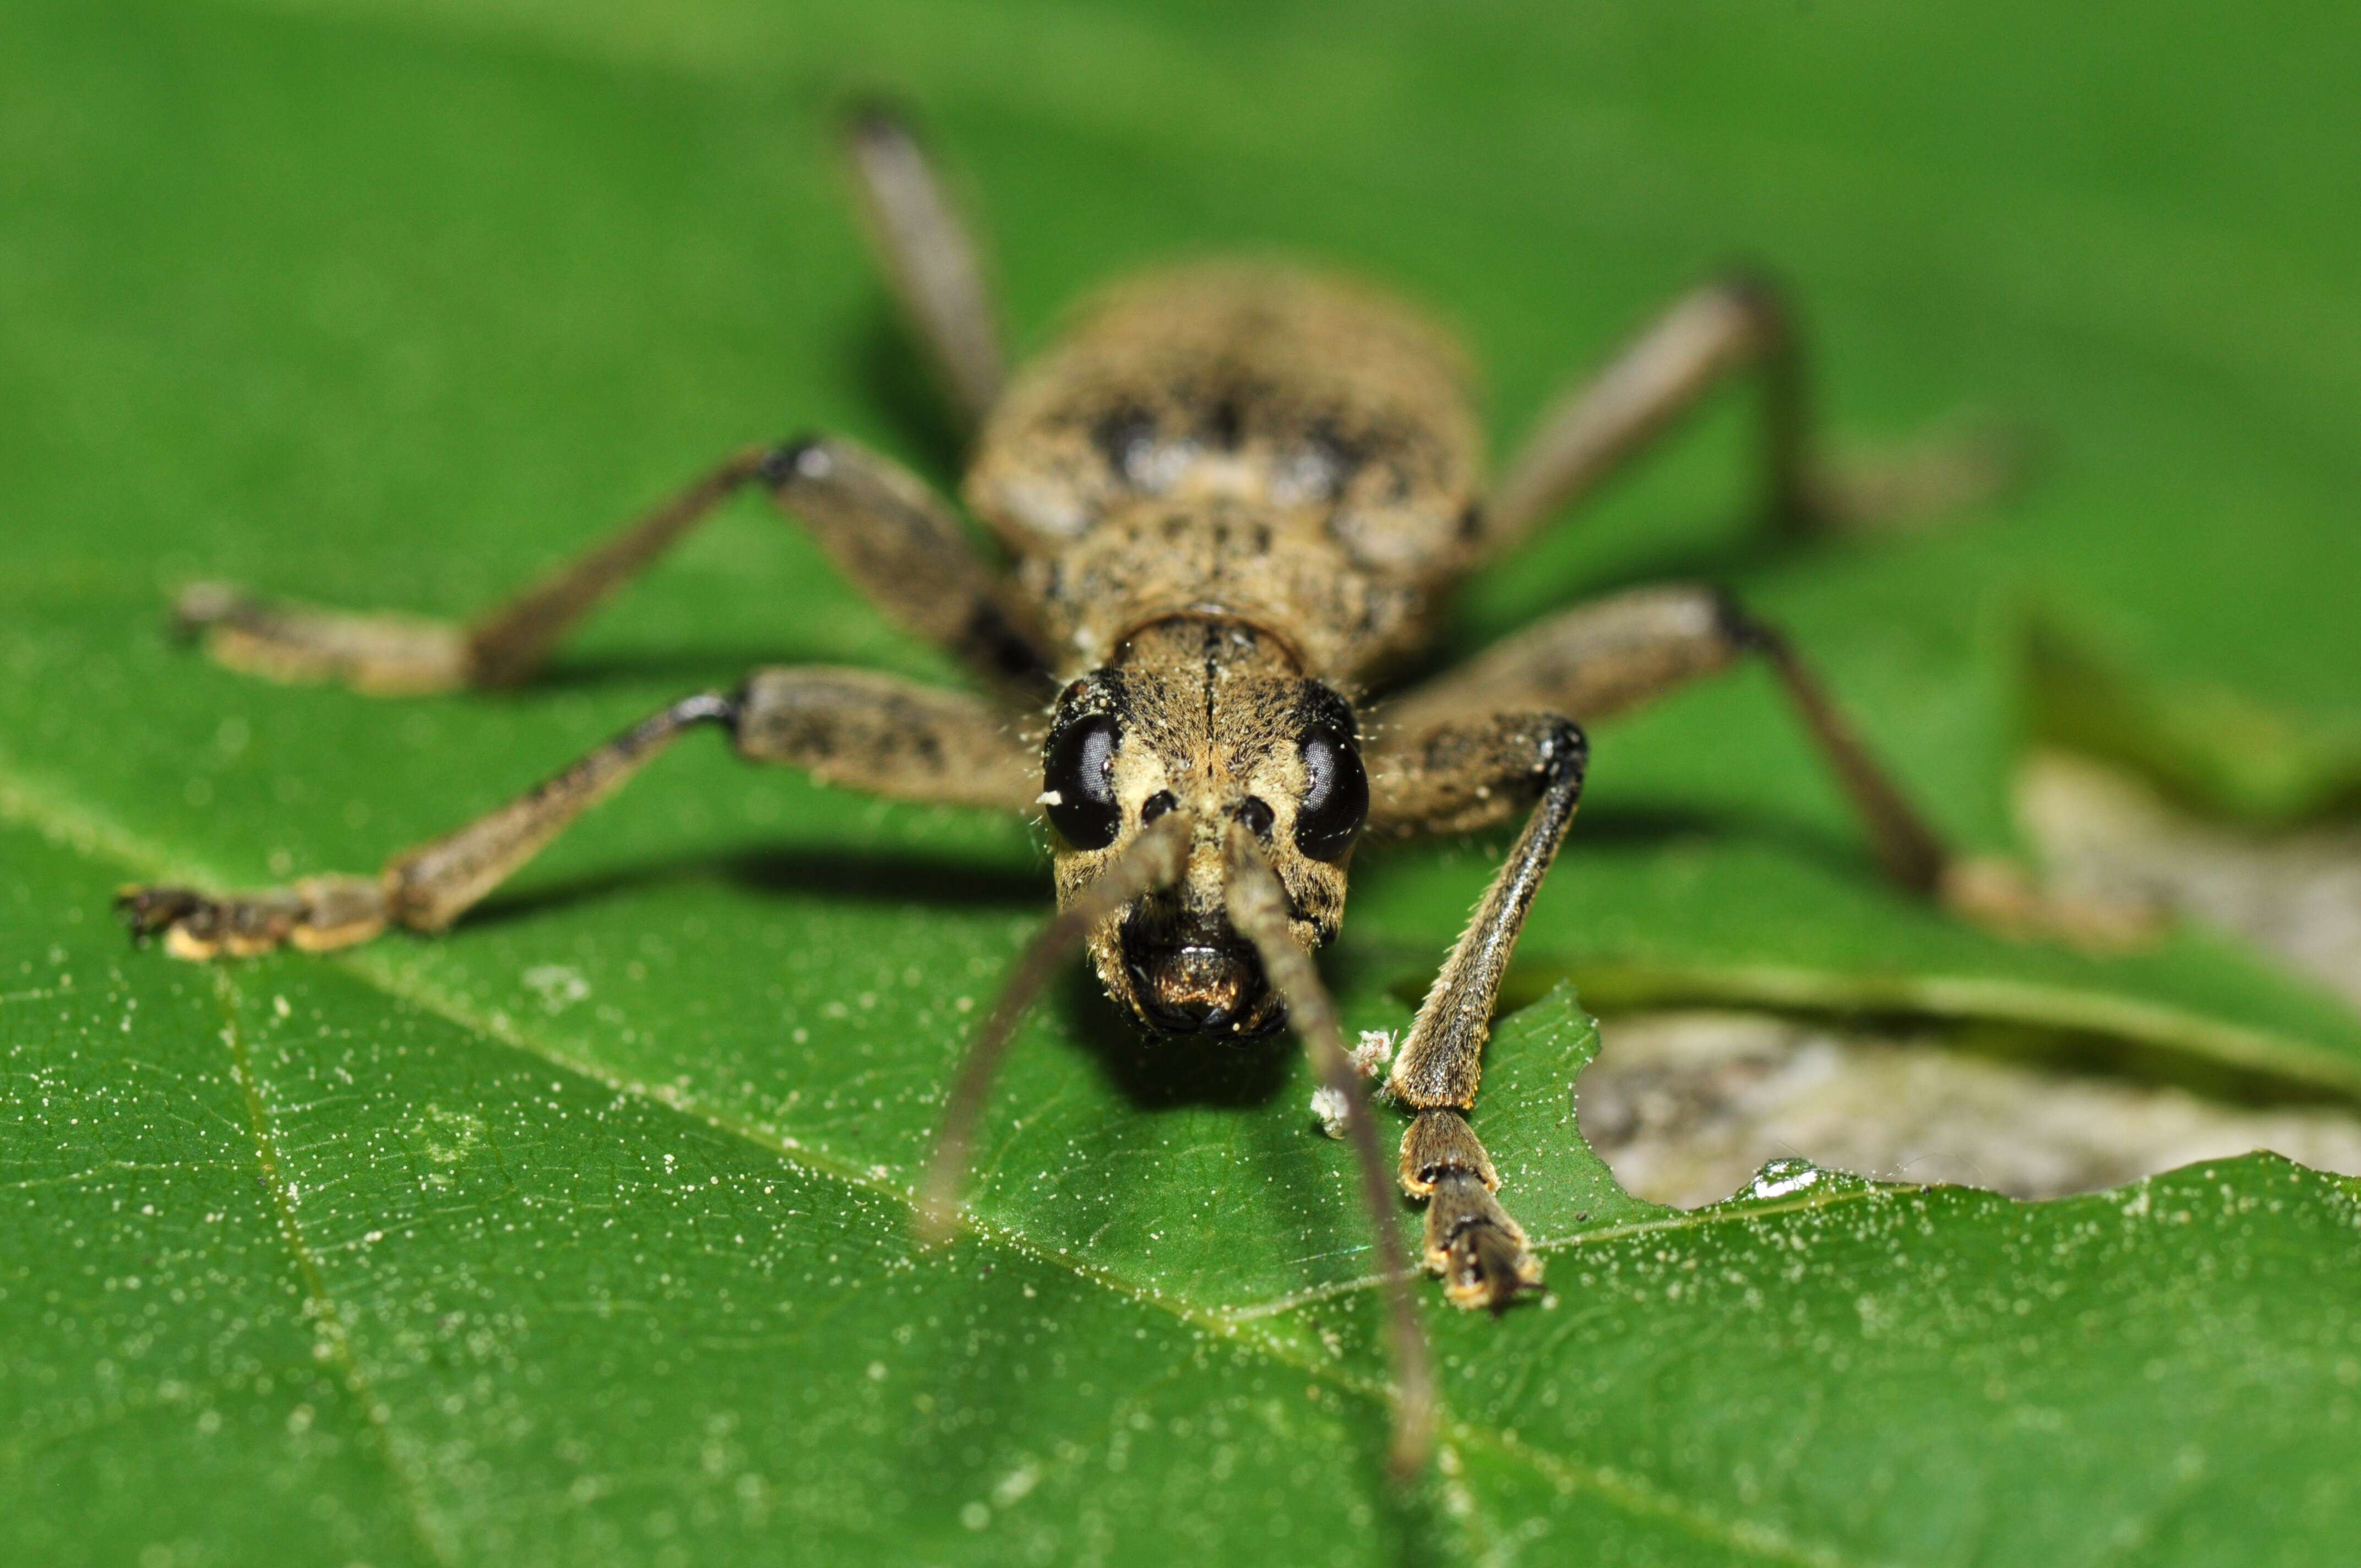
[931, 256]
[1708, 335]
[1471, 1241]
[1600, 659]
[884, 528]
[1509, 759]
[853, 728]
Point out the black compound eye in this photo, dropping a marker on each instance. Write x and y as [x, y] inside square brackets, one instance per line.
[1337, 802]
[1078, 783]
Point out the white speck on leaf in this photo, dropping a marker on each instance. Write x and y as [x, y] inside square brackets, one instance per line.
[1780, 1177]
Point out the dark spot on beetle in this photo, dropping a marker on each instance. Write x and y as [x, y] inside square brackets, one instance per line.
[1225, 423]
[1123, 437]
[1337, 453]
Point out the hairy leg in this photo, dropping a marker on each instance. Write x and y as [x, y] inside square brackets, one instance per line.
[853, 728]
[1600, 659]
[1705, 338]
[1497, 763]
[884, 528]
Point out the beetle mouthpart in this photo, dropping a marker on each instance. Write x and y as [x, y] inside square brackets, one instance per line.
[1198, 987]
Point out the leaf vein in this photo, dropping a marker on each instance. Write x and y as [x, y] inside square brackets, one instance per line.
[326, 1320]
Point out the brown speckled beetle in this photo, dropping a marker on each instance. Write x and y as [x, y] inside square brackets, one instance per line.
[1230, 500]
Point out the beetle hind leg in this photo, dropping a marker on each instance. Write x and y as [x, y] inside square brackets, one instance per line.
[1741, 325]
[1920, 484]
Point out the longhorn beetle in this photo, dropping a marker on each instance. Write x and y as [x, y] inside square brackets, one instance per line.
[1232, 499]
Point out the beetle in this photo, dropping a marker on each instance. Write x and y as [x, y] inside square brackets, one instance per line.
[1232, 502]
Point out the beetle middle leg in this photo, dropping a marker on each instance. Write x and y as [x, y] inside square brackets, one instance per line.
[1725, 328]
[855, 727]
[1468, 748]
[881, 525]
[1600, 659]
[884, 529]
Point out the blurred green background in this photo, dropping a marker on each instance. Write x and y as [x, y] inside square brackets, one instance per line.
[578, 1236]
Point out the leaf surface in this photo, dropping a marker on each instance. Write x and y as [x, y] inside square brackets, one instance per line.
[579, 1236]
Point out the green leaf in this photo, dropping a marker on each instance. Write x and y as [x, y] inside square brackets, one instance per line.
[300, 1267]
[580, 1234]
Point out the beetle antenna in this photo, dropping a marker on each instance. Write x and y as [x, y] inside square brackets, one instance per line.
[1156, 859]
[1258, 907]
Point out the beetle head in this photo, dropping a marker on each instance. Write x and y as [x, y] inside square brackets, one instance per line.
[1211, 718]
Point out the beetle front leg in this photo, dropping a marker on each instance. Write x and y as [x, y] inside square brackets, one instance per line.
[1471, 1241]
[1439, 775]
[864, 730]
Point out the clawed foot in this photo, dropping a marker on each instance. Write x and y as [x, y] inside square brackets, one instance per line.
[1479, 1251]
[391, 655]
[314, 914]
[1470, 1241]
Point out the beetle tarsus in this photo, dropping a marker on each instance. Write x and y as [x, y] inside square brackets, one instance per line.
[1474, 1246]
[380, 653]
[316, 915]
